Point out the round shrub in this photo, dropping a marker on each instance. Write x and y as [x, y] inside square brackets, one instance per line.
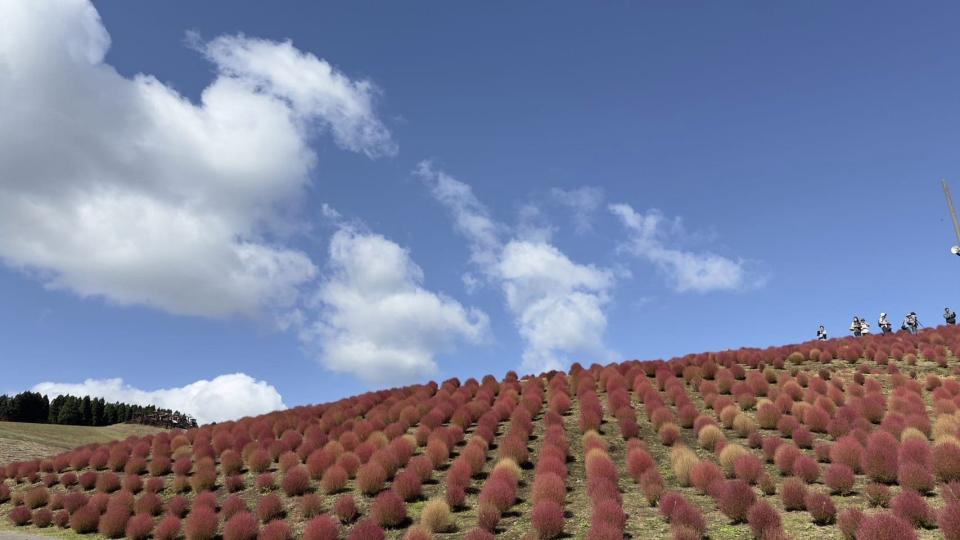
[296, 481]
[148, 503]
[371, 478]
[821, 507]
[910, 506]
[388, 509]
[275, 530]
[436, 516]
[201, 524]
[549, 486]
[269, 507]
[839, 478]
[548, 519]
[806, 469]
[61, 519]
[763, 519]
[885, 526]
[407, 485]
[479, 534]
[36, 497]
[847, 451]
[139, 527]
[705, 474]
[85, 519]
[688, 517]
[793, 493]
[915, 476]
[367, 529]
[880, 457]
[488, 516]
[736, 497]
[334, 479]
[42, 517]
[19, 515]
[848, 521]
[878, 494]
[748, 468]
[322, 528]
[417, 532]
[108, 482]
[311, 505]
[948, 520]
[946, 461]
[345, 508]
[233, 506]
[167, 529]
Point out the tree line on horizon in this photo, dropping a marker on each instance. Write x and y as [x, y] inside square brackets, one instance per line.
[37, 408]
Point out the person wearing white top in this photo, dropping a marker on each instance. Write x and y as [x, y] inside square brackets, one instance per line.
[864, 327]
[885, 326]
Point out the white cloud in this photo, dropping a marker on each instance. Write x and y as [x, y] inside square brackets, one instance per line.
[123, 189]
[376, 320]
[227, 397]
[583, 202]
[687, 270]
[557, 304]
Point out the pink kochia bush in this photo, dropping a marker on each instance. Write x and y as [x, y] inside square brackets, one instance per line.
[736, 498]
[880, 457]
[885, 526]
[548, 519]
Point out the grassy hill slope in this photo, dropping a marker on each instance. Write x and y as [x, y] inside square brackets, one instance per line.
[20, 441]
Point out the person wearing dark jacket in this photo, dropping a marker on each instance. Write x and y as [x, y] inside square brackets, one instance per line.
[950, 316]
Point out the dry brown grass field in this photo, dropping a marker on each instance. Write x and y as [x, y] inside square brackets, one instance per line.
[842, 439]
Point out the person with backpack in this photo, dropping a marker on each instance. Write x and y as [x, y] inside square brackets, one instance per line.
[821, 333]
[950, 316]
[885, 325]
[855, 327]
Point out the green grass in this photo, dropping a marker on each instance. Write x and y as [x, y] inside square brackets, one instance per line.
[27, 441]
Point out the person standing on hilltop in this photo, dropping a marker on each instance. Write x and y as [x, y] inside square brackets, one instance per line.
[911, 323]
[885, 325]
[950, 316]
[864, 327]
[821, 333]
[855, 327]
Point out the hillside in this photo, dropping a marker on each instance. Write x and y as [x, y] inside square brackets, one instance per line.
[816, 440]
[20, 441]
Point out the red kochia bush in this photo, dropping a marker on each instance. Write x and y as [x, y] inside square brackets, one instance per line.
[322, 528]
[821, 507]
[345, 508]
[201, 524]
[276, 530]
[269, 507]
[793, 493]
[704, 474]
[479, 534]
[763, 519]
[910, 506]
[367, 529]
[548, 519]
[19, 515]
[550, 487]
[334, 479]
[241, 526]
[85, 519]
[388, 509]
[139, 527]
[848, 521]
[880, 457]
[736, 497]
[296, 481]
[167, 529]
[949, 521]
[885, 526]
[407, 485]
[848, 451]
[42, 517]
[371, 478]
[839, 478]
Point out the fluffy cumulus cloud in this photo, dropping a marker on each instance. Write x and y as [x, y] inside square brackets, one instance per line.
[123, 189]
[226, 397]
[688, 271]
[557, 304]
[375, 319]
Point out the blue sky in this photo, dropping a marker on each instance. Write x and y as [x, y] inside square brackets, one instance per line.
[798, 147]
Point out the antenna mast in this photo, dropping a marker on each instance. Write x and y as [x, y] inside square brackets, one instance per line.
[953, 214]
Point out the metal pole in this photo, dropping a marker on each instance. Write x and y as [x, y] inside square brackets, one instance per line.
[953, 212]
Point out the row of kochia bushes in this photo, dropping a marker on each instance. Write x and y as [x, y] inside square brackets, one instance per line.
[364, 438]
[895, 451]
